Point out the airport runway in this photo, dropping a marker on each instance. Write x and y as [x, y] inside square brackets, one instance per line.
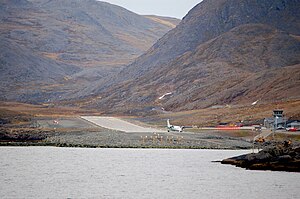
[119, 124]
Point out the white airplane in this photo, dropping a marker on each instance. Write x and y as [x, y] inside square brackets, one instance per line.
[174, 128]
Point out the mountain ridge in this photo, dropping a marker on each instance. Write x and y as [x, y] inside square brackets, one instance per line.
[66, 43]
[222, 47]
[194, 31]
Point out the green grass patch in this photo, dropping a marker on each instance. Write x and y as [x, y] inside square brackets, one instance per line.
[283, 136]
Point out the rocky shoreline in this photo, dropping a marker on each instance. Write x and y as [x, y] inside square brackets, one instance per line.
[276, 157]
[75, 132]
[106, 138]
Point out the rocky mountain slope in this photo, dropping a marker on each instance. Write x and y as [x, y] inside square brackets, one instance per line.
[223, 52]
[51, 47]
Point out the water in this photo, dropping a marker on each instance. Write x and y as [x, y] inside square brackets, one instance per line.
[49, 172]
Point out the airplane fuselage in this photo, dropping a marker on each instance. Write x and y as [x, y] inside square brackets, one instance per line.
[173, 128]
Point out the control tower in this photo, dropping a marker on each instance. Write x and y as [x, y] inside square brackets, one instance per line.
[278, 119]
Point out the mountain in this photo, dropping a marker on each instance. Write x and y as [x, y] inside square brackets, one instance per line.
[222, 52]
[52, 47]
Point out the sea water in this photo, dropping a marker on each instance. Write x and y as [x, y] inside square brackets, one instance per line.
[50, 172]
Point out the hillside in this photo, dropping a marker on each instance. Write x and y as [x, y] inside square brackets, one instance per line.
[168, 21]
[221, 53]
[210, 19]
[63, 46]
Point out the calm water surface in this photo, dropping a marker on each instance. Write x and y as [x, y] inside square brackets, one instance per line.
[49, 172]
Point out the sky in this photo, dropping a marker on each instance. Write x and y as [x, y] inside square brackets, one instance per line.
[168, 8]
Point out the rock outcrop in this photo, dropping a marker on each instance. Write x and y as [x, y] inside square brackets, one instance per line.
[281, 157]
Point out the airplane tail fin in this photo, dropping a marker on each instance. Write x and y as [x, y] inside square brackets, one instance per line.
[168, 122]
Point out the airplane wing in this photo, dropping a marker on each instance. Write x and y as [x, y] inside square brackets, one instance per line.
[187, 127]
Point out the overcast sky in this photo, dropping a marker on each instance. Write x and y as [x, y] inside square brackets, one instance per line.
[169, 8]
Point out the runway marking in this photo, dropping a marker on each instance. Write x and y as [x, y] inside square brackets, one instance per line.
[118, 124]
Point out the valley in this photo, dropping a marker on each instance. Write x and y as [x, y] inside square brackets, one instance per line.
[24, 124]
[222, 63]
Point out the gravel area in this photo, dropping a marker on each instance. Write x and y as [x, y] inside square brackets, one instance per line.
[110, 138]
[76, 132]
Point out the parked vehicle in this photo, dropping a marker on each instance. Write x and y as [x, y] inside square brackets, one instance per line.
[291, 129]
